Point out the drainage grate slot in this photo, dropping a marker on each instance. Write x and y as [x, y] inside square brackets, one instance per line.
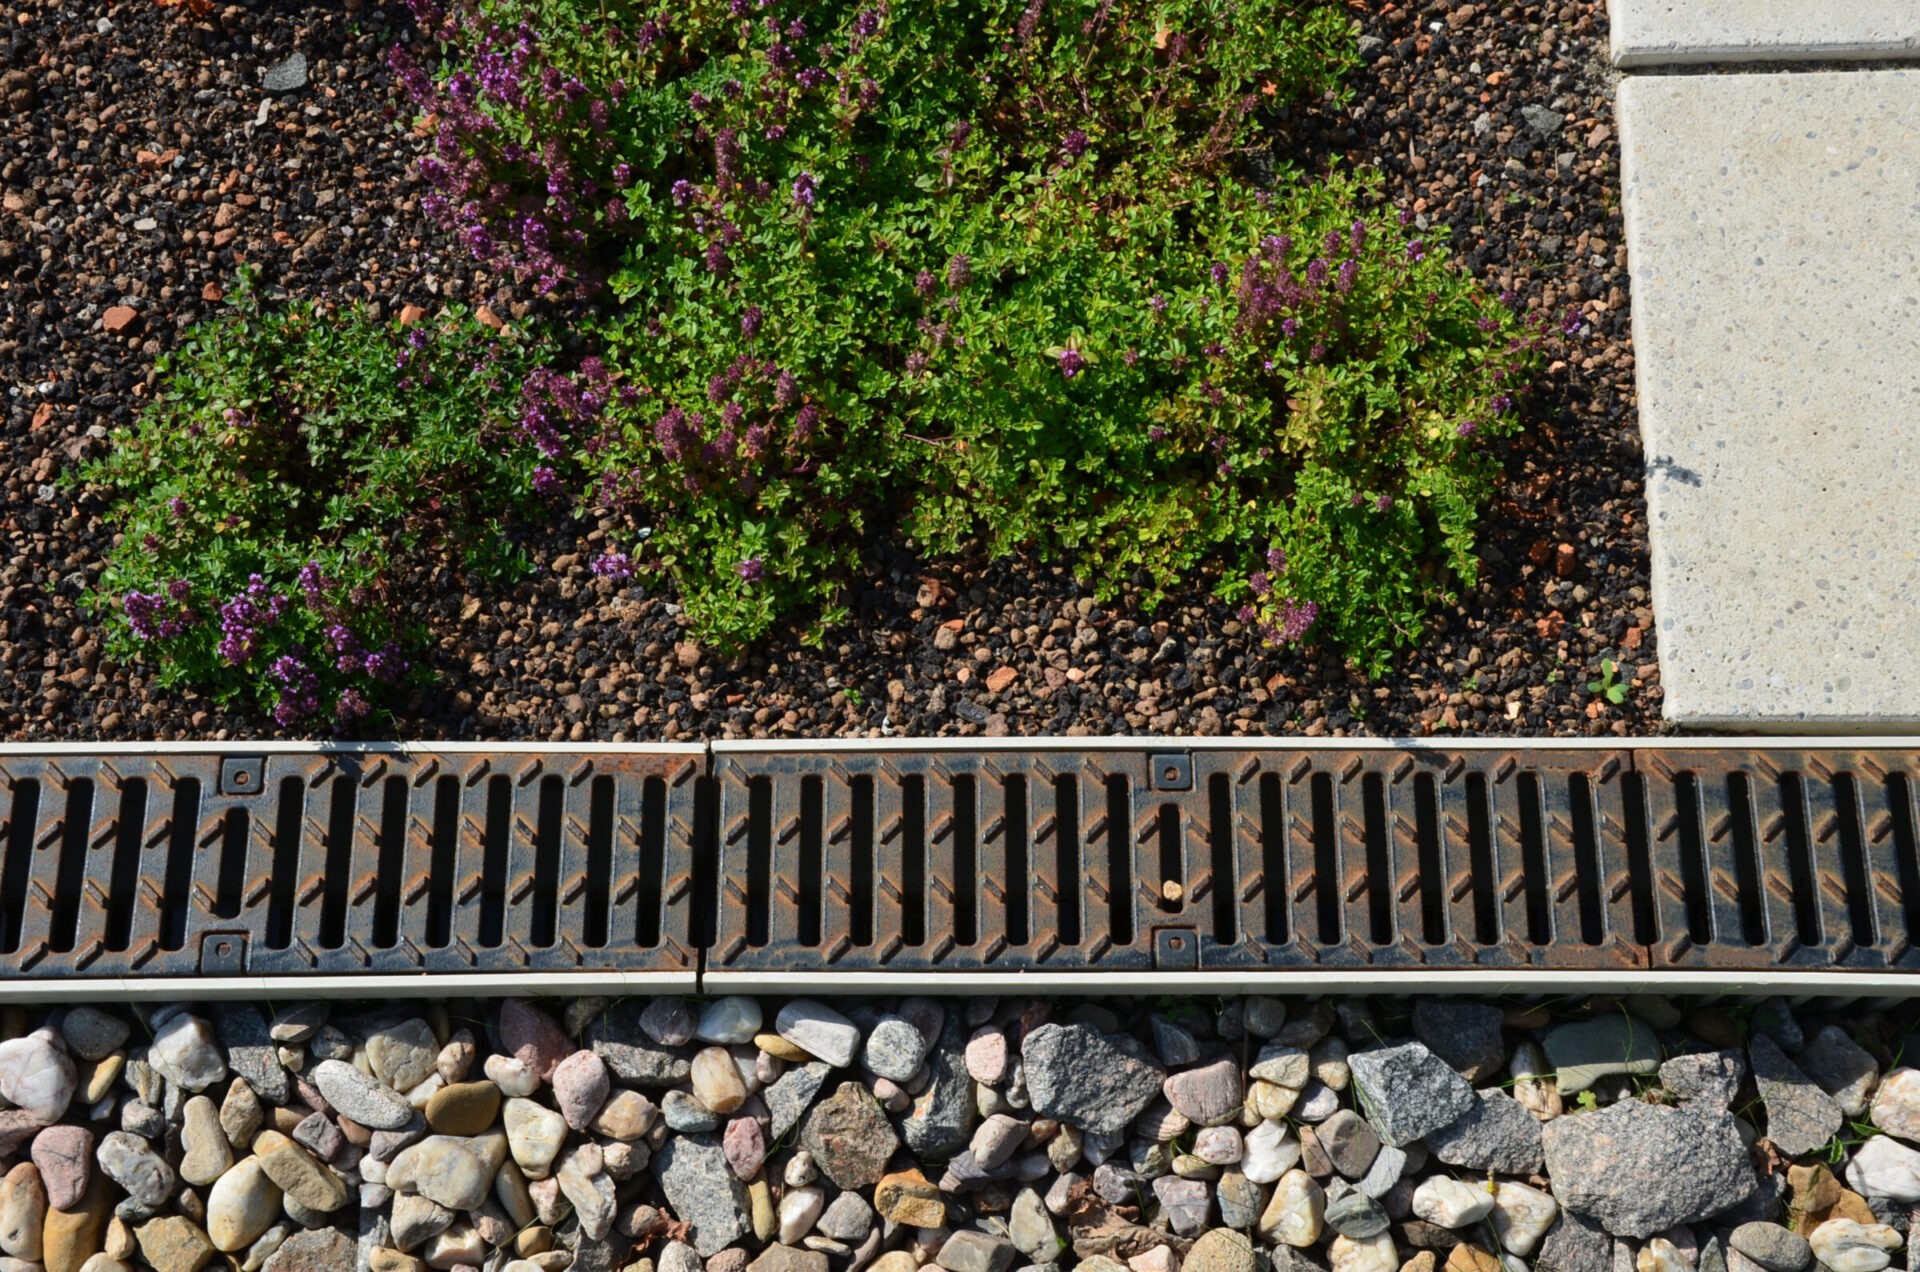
[339, 863]
[1379, 877]
[704, 922]
[1586, 860]
[1019, 877]
[1533, 859]
[1326, 860]
[233, 863]
[1486, 904]
[1853, 861]
[493, 862]
[1746, 860]
[1693, 861]
[1222, 873]
[124, 880]
[1171, 895]
[966, 860]
[860, 917]
[1646, 924]
[1802, 885]
[1432, 868]
[392, 862]
[913, 859]
[1274, 881]
[599, 880]
[759, 859]
[75, 824]
[1067, 872]
[288, 818]
[446, 854]
[1120, 872]
[812, 799]
[650, 907]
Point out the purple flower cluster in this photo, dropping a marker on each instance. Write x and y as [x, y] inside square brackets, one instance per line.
[299, 690]
[753, 569]
[156, 617]
[244, 616]
[1071, 363]
[617, 566]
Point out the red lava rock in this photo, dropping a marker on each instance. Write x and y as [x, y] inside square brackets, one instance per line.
[42, 414]
[1000, 677]
[1540, 553]
[211, 292]
[1565, 563]
[486, 315]
[119, 318]
[410, 314]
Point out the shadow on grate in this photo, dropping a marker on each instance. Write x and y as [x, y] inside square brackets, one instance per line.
[1135, 858]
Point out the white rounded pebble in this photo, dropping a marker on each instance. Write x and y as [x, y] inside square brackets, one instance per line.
[1845, 1245]
[1451, 1204]
[1521, 1215]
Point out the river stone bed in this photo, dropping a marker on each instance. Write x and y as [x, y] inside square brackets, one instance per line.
[967, 1134]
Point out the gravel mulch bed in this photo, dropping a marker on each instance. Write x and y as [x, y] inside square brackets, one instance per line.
[146, 161]
[966, 1135]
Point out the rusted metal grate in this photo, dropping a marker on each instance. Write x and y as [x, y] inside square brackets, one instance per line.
[344, 862]
[1127, 858]
[1636, 859]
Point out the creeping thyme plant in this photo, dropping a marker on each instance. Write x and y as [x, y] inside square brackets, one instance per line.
[994, 269]
[967, 271]
[297, 469]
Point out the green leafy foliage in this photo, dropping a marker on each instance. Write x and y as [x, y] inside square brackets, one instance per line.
[296, 468]
[988, 272]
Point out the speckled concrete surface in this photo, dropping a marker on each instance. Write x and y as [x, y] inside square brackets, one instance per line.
[1773, 230]
[1657, 32]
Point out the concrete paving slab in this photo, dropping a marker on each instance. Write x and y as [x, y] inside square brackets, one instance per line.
[1667, 32]
[1773, 232]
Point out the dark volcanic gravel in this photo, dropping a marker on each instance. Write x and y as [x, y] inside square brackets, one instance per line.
[138, 170]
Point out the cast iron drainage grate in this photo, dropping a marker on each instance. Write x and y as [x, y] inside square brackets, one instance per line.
[1107, 864]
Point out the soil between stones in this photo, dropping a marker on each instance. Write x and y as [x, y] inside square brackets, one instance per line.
[146, 162]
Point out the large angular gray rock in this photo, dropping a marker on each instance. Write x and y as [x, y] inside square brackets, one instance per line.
[792, 1094]
[1407, 1091]
[1498, 1134]
[1098, 1082]
[941, 1123]
[1575, 1243]
[1637, 1168]
[1842, 1068]
[1464, 1034]
[1712, 1077]
[1801, 1117]
[250, 1049]
[703, 1192]
[631, 1056]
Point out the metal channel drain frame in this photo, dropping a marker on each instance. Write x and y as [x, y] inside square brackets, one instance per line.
[1249, 860]
[1140, 858]
[350, 861]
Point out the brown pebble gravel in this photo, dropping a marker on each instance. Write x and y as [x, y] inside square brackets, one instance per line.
[137, 176]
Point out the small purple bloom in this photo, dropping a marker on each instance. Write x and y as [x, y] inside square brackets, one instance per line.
[1074, 143]
[803, 189]
[959, 271]
[753, 569]
[1417, 250]
[1071, 363]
